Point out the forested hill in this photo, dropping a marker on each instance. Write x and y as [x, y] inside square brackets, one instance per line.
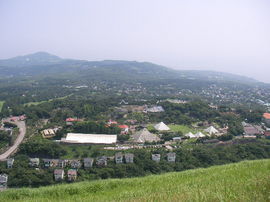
[43, 64]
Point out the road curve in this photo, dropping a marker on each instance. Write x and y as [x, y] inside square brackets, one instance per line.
[22, 131]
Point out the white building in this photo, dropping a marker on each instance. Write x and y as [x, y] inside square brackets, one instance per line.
[81, 138]
[161, 127]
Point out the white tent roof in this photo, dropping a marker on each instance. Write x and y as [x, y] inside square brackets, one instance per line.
[90, 138]
[211, 130]
[145, 136]
[190, 135]
[199, 134]
[161, 127]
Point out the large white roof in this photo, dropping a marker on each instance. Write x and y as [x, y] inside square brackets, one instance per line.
[161, 127]
[90, 138]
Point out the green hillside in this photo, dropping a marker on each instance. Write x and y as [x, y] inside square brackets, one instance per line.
[244, 181]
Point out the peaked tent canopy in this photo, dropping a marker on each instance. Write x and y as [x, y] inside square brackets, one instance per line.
[190, 135]
[161, 127]
[199, 134]
[211, 130]
[145, 136]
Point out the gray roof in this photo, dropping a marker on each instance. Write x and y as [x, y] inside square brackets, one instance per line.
[145, 136]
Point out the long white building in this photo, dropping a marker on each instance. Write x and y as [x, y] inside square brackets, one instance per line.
[81, 138]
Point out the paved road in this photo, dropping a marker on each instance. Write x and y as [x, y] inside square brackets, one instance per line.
[22, 130]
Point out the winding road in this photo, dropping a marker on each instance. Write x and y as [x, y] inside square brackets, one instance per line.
[22, 131]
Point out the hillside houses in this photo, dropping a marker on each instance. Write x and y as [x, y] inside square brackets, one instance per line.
[10, 162]
[118, 158]
[156, 157]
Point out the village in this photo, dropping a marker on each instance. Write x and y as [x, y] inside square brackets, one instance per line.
[131, 135]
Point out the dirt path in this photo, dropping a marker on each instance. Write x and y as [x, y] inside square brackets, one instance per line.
[22, 131]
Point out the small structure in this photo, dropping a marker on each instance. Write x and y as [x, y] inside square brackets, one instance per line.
[190, 135]
[59, 174]
[171, 157]
[145, 136]
[34, 162]
[61, 163]
[129, 157]
[266, 118]
[155, 109]
[177, 139]
[124, 129]
[88, 162]
[161, 127]
[10, 162]
[199, 135]
[76, 164]
[72, 175]
[118, 158]
[49, 133]
[101, 161]
[156, 157]
[250, 130]
[70, 121]
[3, 181]
[211, 130]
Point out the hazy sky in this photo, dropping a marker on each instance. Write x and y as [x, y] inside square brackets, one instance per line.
[222, 35]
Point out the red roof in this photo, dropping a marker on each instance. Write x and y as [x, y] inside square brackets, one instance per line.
[71, 119]
[123, 126]
[266, 115]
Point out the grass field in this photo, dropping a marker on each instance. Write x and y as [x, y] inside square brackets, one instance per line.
[183, 128]
[1, 105]
[244, 181]
[41, 102]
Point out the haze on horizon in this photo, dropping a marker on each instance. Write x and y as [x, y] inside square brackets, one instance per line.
[229, 36]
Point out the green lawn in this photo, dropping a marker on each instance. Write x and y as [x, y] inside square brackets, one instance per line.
[41, 102]
[183, 128]
[1, 105]
[244, 181]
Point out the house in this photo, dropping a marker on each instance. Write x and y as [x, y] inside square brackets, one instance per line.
[49, 133]
[171, 157]
[70, 121]
[118, 158]
[250, 130]
[144, 136]
[155, 109]
[61, 163]
[124, 129]
[129, 158]
[111, 122]
[34, 162]
[266, 118]
[82, 138]
[47, 163]
[161, 127]
[59, 174]
[3, 181]
[10, 162]
[156, 157]
[76, 164]
[88, 162]
[101, 161]
[72, 175]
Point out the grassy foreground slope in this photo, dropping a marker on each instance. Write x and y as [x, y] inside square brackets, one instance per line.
[244, 181]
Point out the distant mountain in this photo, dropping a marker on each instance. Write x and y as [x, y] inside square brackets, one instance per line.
[39, 58]
[46, 65]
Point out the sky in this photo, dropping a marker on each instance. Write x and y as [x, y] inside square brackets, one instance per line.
[221, 35]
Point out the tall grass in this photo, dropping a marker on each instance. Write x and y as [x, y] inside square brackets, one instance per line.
[244, 181]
